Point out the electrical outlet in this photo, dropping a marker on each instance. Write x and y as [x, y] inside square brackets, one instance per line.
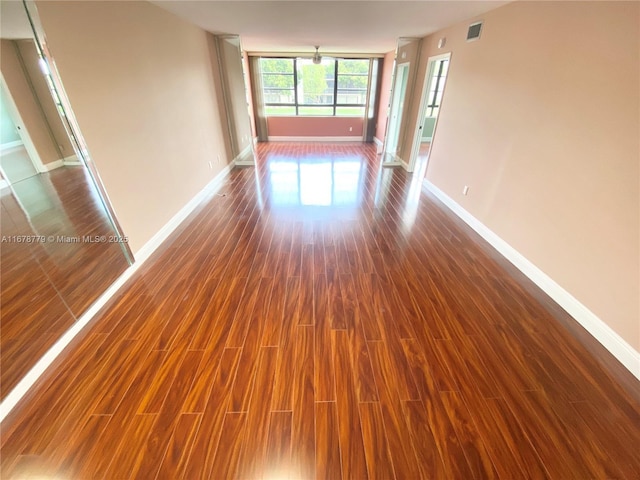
[210, 165]
[351, 129]
[465, 190]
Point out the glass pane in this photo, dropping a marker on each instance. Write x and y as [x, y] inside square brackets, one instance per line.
[350, 111]
[275, 80]
[309, 111]
[276, 65]
[314, 86]
[353, 81]
[279, 96]
[346, 66]
[271, 110]
[352, 96]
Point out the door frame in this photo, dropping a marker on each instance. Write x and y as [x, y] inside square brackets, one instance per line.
[394, 91]
[16, 118]
[424, 100]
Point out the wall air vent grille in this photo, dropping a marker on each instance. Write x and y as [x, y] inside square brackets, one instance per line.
[474, 31]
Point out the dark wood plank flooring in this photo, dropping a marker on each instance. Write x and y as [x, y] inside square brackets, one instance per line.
[320, 317]
[46, 285]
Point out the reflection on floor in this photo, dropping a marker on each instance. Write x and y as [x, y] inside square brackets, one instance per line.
[16, 164]
[312, 179]
[390, 159]
[50, 273]
[321, 317]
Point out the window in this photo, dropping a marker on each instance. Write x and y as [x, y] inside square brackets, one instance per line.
[315, 87]
[278, 81]
[297, 86]
[439, 76]
[353, 81]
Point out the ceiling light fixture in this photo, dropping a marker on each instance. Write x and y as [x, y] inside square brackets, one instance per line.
[317, 59]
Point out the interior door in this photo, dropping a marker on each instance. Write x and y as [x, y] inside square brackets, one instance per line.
[432, 93]
[395, 112]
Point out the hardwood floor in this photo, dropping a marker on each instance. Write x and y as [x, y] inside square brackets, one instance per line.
[46, 284]
[323, 318]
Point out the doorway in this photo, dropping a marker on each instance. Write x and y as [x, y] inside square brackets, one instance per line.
[16, 164]
[430, 103]
[392, 141]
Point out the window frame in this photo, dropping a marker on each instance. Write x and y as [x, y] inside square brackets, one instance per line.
[438, 76]
[334, 106]
[294, 88]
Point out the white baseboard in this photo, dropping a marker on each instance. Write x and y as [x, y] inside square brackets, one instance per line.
[154, 242]
[3, 183]
[6, 147]
[255, 141]
[379, 144]
[47, 167]
[602, 332]
[395, 161]
[357, 138]
[11, 400]
[244, 158]
[71, 161]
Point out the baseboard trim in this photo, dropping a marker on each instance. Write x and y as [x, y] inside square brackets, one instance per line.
[395, 161]
[47, 167]
[71, 161]
[314, 139]
[141, 256]
[602, 332]
[154, 242]
[5, 147]
[244, 158]
[3, 183]
[379, 144]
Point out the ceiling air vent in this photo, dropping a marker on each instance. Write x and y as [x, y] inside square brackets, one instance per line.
[474, 31]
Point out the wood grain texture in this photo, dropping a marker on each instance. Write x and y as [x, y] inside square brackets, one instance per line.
[294, 332]
[375, 441]
[327, 441]
[48, 283]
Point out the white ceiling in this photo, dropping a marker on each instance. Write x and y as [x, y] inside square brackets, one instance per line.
[337, 26]
[358, 26]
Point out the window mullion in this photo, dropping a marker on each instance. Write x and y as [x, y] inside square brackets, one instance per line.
[335, 86]
[295, 84]
[435, 92]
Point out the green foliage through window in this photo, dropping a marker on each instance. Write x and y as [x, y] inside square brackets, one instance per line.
[297, 86]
